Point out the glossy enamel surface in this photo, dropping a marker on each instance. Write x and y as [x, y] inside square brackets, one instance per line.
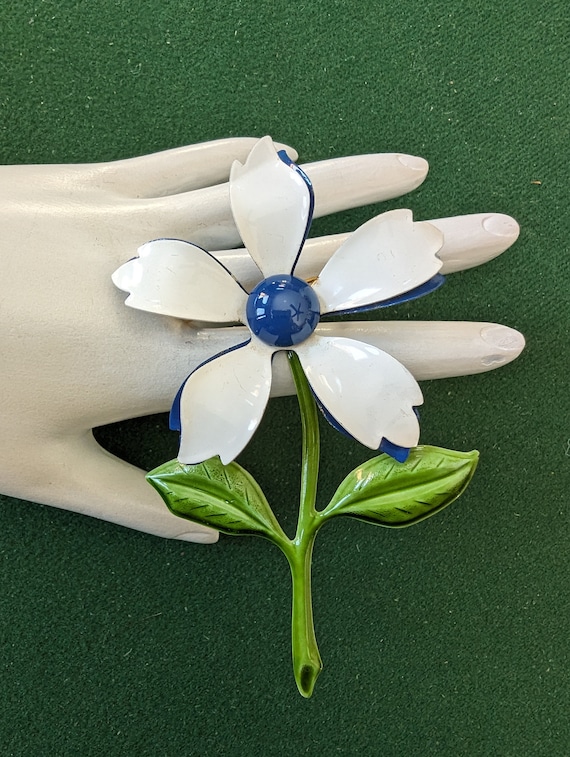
[369, 393]
[222, 403]
[282, 311]
[172, 277]
[272, 204]
[362, 390]
[386, 257]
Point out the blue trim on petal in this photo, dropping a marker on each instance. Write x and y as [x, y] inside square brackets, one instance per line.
[420, 291]
[400, 454]
[288, 162]
[174, 422]
[413, 294]
[330, 418]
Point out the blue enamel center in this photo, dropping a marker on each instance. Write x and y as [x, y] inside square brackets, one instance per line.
[283, 311]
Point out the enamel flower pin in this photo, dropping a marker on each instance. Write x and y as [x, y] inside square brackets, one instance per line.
[361, 390]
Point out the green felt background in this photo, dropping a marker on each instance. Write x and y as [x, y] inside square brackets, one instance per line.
[450, 638]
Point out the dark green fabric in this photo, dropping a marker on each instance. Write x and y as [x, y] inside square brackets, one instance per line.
[449, 638]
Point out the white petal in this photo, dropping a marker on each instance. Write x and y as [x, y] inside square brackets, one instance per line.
[272, 207]
[222, 403]
[387, 256]
[177, 278]
[368, 392]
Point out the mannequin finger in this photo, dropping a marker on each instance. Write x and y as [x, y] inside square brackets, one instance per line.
[180, 169]
[429, 350]
[75, 473]
[437, 349]
[469, 241]
[343, 183]
[339, 183]
[474, 239]
[204, 216]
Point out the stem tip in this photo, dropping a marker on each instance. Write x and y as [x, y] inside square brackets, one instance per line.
[306, 676]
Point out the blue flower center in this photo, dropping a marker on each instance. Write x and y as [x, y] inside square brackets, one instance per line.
[283, 311]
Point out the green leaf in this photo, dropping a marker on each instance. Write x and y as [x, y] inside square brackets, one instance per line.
[224, 497]
[394, 494]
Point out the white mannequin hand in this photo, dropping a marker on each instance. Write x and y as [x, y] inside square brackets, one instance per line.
[74, 357]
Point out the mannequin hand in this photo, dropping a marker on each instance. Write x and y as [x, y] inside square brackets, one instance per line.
[75, 358]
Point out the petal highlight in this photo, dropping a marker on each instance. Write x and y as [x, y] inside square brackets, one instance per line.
[272, 204]
[366, 391]
[176, 278]
[383, 259]
[222, 402]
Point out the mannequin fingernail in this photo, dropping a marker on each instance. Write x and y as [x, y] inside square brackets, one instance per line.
[503, 338]
[501, 225]
[413, 162]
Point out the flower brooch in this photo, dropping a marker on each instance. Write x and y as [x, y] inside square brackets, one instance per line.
[362, 390]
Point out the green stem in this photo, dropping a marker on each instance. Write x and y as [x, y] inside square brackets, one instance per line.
[307, 662]
[311, 445]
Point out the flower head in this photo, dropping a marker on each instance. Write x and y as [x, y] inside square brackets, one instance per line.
[361, 389]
